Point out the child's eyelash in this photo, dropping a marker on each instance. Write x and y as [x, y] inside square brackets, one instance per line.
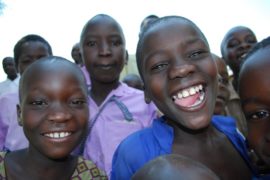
[258, 115]
[158, 66]
[38, 102]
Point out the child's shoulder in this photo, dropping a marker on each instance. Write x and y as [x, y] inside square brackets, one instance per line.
[227, 125]
[131, 96]
[9, 96]
[151, 140]
[224, 121]
[125, 89]
[86, 169]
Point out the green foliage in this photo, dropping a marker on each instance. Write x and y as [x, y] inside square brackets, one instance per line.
[2, 6]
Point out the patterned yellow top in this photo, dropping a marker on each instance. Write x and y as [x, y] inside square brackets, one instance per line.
[85, 170]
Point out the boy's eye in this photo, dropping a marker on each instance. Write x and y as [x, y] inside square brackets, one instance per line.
[38, 103]
[116, 43]
[251, 40]
[233, 43]
[91, 43]
[78, 102]
[223, 80]
[258, 115]
[195, 54]
[159, 67]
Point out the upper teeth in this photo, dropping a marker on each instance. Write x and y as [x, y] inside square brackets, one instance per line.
[243, 55]
[57, 134]
[188, 92]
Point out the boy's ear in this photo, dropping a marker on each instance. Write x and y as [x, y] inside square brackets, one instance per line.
[126, 57]
[147, 99]
[19, 114]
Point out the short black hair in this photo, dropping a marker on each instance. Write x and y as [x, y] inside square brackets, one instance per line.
[260, 45]
[28, 38]
[43, 62]
[226, 37]
[148, 28]
[99, 16]
[152, 16]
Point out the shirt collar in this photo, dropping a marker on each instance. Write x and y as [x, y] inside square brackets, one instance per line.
[163, 134]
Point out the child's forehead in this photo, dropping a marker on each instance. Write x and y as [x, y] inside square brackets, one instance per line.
[257, 66]
[102, 23]
[51, 70]
[260, 59]
[173, 24]
[237, 31]
[171, 33]
[179, 29]
[220, 63]
[33, 44]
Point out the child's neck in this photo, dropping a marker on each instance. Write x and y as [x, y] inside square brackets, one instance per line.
[212, 148]
[185, 135]
[39, 167]
[99, 91]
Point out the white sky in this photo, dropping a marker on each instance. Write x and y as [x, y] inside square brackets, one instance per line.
[61, 21]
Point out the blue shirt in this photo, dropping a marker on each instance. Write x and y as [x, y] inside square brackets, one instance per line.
[149, 143]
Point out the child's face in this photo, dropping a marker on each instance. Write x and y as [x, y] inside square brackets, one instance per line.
[254, 91]
[54, 112]
[179, 73]
[103, 50]
[30, 52]
[223, 91]
[9, 66]
[236, 45]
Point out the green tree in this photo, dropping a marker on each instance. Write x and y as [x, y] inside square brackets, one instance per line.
[2, 6]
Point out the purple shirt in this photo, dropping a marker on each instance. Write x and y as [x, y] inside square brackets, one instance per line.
[86, 75]
[111, 127]
[11, 136]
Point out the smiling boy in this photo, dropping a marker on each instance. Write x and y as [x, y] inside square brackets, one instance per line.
[180, 76]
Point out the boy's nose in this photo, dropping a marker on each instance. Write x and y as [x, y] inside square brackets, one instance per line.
[59, 113]
[104, 49]
[246, 45]
[181, 70]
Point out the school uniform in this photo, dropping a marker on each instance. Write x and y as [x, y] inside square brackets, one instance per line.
[9, 86]
[123, 112]
[11, 136]
[147, 144]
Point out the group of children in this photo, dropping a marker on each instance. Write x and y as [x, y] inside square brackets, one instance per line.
[116, 128]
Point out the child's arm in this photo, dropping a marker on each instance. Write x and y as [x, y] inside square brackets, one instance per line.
[3, 122]
[120, 167]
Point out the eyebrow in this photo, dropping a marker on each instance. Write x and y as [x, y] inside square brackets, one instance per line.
[187, 43]
[250, 100]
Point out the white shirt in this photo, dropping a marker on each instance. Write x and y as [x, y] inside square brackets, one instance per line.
[9, 86]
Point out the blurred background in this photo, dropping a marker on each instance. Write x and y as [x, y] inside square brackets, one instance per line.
[60, 22]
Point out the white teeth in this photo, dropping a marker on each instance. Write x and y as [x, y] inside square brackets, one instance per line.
[188, 92]
[192, 91]
[62, 134]
[243, 55]
[185, 93]
[201, 97]
[57, 134]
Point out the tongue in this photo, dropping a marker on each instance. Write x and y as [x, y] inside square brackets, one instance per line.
[187, 101]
